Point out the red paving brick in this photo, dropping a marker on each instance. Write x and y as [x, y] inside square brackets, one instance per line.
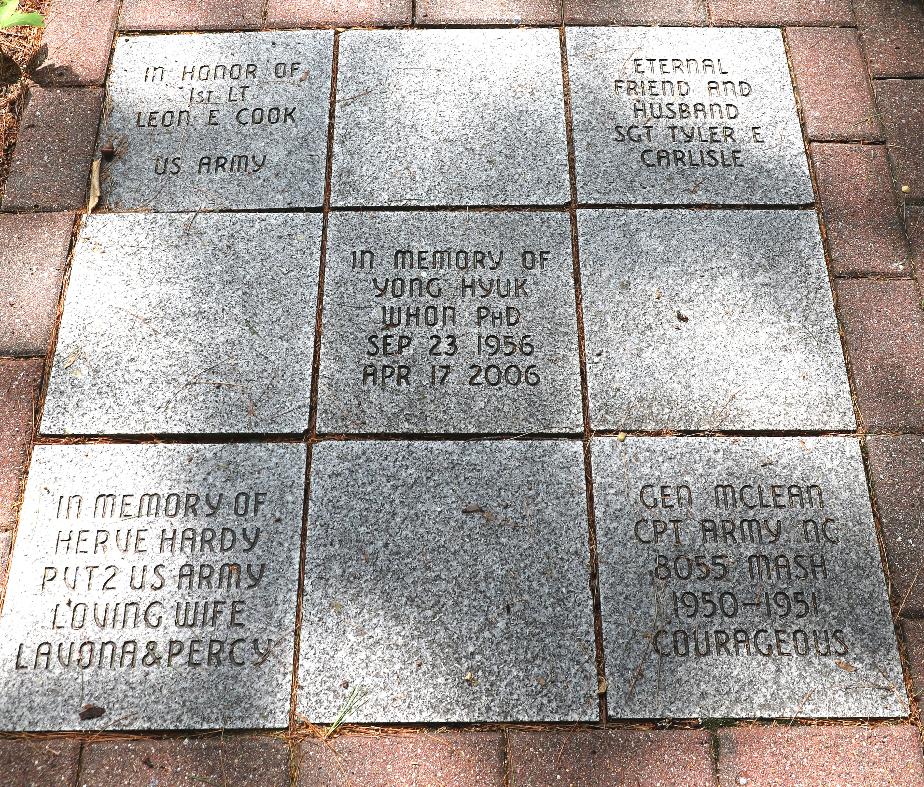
[635, 12]
[784, 756]
[337, 13]
[901, 107]
[605, 758]
[51, 162]
[32, 260]
[913, 631]
[863, 226]
[834, 89]
[897, 469]
[914, 225]
[191, 15]
[20, 381]
[893, 35]
[883, 324]
[32, 763]
[449, 759]
[781, 12]
[244, 761]
[474, 12]
[67, 58]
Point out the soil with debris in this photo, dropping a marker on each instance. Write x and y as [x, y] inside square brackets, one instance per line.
[18, 48]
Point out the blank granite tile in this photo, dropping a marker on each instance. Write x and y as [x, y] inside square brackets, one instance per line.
[893, 35]
[424, 759]
[177, 323]
[449, 322]
[896, 465]
[476, 119]
[20, 381]
[816, 756]
[217, 121]
[51, 163]
[153, 587]
[863, 227]
[781, 12]
[238, 760]
[337, 13]
[488, 12]
[6, 539]
[749, 563]
[684, 116]
[604, 758]
[190, 15]
[69, 57]
[635, 12]
[447, 582]
[833, 83]
[901, 102]
[710, 320]
[33, 256]
[28, 762]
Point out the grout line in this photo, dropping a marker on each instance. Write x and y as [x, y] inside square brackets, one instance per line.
[585, 395]
[79, 764]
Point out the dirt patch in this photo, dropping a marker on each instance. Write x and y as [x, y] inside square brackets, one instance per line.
[18, 46]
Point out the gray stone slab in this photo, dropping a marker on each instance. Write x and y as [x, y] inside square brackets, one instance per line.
[449, 322]
[741, 577]
[153, 587]
[180, 323]
[666, 115]
[447, 582]
[449, 117]
[217, 121]
[710, 320]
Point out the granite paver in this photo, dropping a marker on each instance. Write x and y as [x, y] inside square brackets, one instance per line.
[744, 562]
[422, 759]
[684, 116]
[241, 761]
[781, 12]
[6, 539]
[190, 15]
[178, 323]
[893, 35]
[901, 104]
[449, 322]
[446, 131]
[598, 758]
[447, 582]
[153, 587]
[37, 763]
[217, 121]
[883, 325]
[50, 169]
[863, 226]
[32, 261]
[76, 42]
[635, 12]
[782, 756]
[835, 93]
[895, 465]
[710, 320]
[20, 381]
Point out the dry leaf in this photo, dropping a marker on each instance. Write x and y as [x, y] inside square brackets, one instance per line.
[94, 186]
[845, 666]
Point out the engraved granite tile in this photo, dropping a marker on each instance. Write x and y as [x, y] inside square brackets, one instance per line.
[684, 116]
[449, 117]
[180, 323]
[449, 322]
[749, 563]
[217, 121]
[153, 587]
[447, 582]
[710, 320]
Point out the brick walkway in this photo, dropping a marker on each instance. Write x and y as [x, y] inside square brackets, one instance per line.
[858, 72]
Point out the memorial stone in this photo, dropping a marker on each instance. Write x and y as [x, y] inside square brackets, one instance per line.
[449, 322]
[217, 121]
[447, 582]
[741, 577]
[181, 323]
[153, 587]
[449, 117]
[689, 116]
[710, 320]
